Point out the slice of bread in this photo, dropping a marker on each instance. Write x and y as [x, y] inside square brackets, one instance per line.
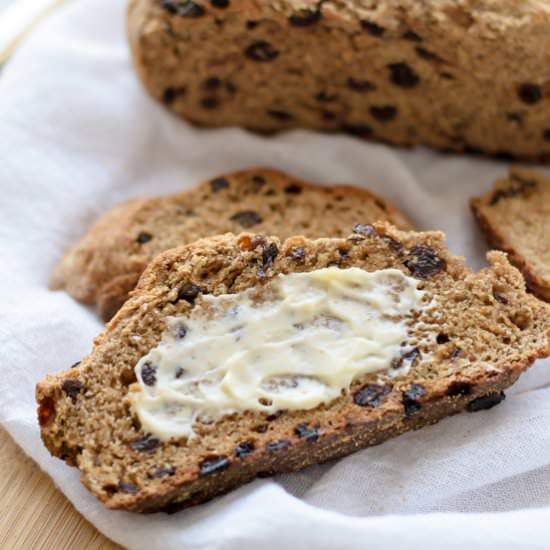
[480, 333]
[515, 217]
[106, 264]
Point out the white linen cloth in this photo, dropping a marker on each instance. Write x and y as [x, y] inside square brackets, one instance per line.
[17, 17]
[78, 135]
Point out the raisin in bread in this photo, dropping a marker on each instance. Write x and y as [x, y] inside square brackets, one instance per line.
[105, 265]
[515, 217]
[443, 73]
[481, 331]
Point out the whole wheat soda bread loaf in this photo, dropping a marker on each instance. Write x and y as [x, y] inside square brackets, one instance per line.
[105, 265]
[515, 217]
[459, 75]
[468, 336]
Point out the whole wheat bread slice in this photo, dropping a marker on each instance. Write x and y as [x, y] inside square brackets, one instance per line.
[482, 333]
[105, 265]
[515, 217]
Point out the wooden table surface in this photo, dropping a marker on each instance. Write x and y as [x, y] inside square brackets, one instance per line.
[36, 515]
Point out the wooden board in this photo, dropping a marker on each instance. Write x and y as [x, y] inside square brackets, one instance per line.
[33, 513]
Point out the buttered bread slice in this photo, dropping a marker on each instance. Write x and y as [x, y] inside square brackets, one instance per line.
[243, 356]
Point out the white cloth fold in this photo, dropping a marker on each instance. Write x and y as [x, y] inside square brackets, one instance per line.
[77, 135]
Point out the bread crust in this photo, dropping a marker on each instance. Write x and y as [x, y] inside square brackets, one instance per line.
[105, 265]
[451, 75]
[489, 330]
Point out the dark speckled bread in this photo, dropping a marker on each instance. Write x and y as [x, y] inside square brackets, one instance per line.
[480, 333]
[460, 75]
[105, 265]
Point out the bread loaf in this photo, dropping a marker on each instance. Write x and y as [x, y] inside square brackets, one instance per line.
[457, 75]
